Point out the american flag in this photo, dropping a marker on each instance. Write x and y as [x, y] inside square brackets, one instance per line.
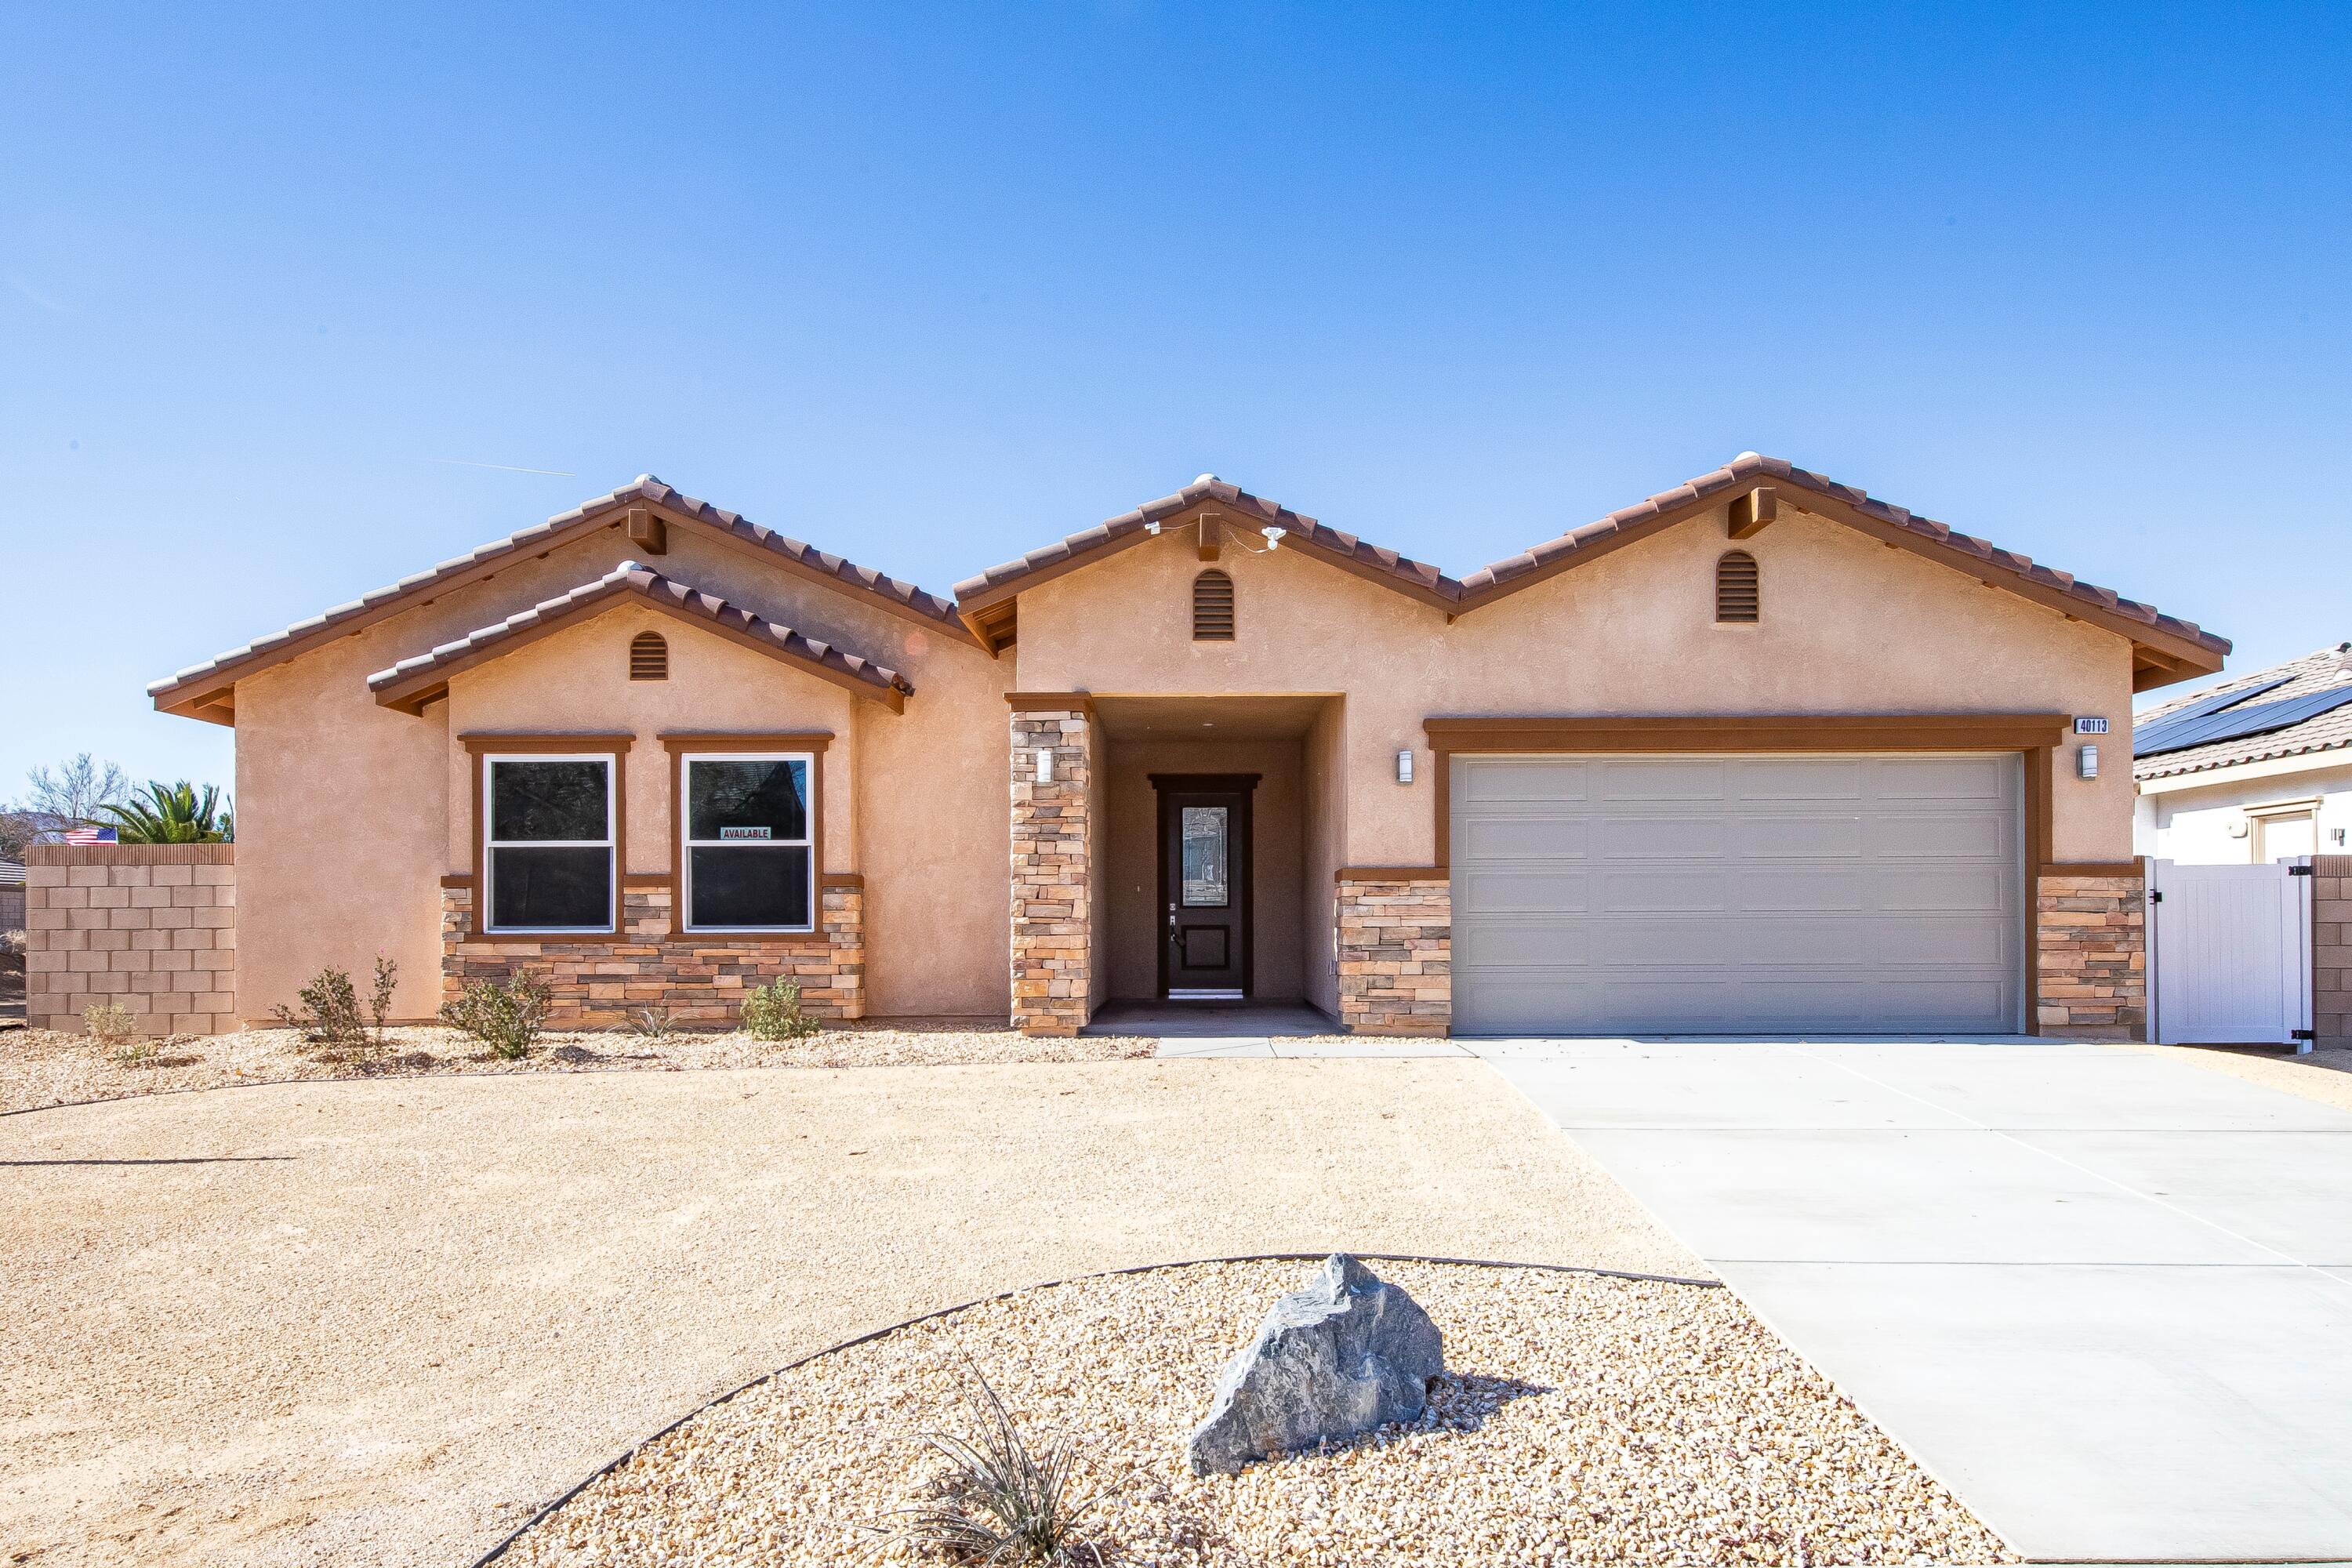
[90, 835]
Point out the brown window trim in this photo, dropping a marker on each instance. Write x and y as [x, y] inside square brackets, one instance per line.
[478, 745]
[2033, 735]
[684, 743]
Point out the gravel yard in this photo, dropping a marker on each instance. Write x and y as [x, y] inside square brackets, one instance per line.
[44, 1067]
[377, 1323]
[1581, 1419]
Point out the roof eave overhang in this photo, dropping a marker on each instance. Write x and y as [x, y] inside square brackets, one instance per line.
[976, 607]
[413, 694]
[2158, 657]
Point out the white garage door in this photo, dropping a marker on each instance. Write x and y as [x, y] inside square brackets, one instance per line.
[1613, 895]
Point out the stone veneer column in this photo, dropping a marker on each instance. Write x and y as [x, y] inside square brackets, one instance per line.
[2091, 936]
[1396, 955]
[2331, 951]
[1053, 870]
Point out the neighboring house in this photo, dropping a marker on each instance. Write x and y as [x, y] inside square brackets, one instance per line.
[1760, 752]
[12, 896]
[2257, 768]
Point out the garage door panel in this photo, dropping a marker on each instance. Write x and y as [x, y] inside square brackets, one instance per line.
[1663, 779]
[1913, 835]
[1540, 779]
[1842, 837]
[1639, 892]
[1737, 894]
[1555, 944]
[1513, 838]
[1780, 889]
[1801, 778]
[1984, 780]
[1946, 887]
[1534, 892]
[1677, 837]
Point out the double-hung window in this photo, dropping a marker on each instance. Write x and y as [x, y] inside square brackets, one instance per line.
[749, 850]
[548, 848]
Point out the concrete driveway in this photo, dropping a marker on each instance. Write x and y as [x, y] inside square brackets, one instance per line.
[2104, 1294]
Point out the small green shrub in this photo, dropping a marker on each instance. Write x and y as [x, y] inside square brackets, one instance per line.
[330, 1011]
[773, 1011]
[506, 1015]
[653, 1024]
[1003, 1503]
[110, 1024]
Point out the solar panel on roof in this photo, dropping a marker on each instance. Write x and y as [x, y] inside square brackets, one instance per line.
[2236, 724]
[2214, 701]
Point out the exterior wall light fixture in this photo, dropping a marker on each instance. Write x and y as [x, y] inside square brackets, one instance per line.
[2087, 762]
[1044, 765]
[1404, 765]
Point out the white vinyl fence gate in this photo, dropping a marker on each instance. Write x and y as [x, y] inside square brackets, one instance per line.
[2230, 952]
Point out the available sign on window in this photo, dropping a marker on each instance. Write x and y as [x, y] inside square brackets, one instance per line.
[755, 834]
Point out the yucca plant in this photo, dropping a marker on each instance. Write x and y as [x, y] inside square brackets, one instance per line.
[1002, 1504]
[173, 814]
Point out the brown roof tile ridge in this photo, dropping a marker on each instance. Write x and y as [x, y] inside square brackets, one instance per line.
[1750, 468]
[629, 577]
[1208, 487]
[642, 488]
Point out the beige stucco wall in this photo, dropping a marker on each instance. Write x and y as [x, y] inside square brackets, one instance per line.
[1132, 868]
[2190, 821]
[1850, 626]
[350, 812]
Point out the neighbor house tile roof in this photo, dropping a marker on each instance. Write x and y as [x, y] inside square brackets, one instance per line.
[416, 681]
[2327, 670]
[646, 492]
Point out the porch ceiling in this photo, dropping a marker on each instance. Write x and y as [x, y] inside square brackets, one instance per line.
[1286, 717]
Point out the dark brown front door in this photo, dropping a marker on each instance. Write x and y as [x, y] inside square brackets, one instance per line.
[1204, 885]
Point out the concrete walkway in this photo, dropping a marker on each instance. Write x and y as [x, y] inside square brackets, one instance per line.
[2105, 1295]
[377, 1323]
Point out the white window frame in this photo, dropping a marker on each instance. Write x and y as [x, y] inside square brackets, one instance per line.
[688, 843]
[610, 843]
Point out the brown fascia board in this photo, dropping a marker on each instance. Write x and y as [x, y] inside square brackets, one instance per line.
[412, 683]
[2167, 648]
[208, 684]
[1415, 579]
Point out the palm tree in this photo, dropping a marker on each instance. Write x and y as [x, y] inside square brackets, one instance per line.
[174, 814]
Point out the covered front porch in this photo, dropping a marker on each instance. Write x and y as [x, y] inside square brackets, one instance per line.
[1187, 851]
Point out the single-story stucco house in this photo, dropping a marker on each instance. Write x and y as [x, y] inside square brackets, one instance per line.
[1757, 753]
[2258, 767]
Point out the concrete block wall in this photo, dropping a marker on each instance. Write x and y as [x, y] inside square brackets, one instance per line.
[150, 926]
[2331, 951]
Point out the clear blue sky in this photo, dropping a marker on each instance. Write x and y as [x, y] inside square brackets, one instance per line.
[931, 287]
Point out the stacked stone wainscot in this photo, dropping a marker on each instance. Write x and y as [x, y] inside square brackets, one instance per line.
[2091, 936]
[1052, 869]
[1395, 953]
[695, 979]
[2331, 951]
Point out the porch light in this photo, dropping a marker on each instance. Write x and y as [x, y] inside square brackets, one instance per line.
[1044, 765]
[1404, 765]
[2087, 762]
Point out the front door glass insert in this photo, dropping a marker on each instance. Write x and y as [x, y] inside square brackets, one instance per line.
[1206, 857]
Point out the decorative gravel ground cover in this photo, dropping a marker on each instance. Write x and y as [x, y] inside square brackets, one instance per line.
[44, 1067]
[1582, 1419]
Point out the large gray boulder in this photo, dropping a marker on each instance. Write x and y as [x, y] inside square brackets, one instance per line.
[1345, 1354]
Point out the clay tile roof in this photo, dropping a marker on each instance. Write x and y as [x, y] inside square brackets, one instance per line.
[1749, 470]
[412, 680]
[644, 490]
[2327, 670]
[1418, 578]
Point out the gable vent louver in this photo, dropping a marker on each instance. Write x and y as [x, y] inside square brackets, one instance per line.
[1212, 608]
[648, 656]
[1738, 594]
